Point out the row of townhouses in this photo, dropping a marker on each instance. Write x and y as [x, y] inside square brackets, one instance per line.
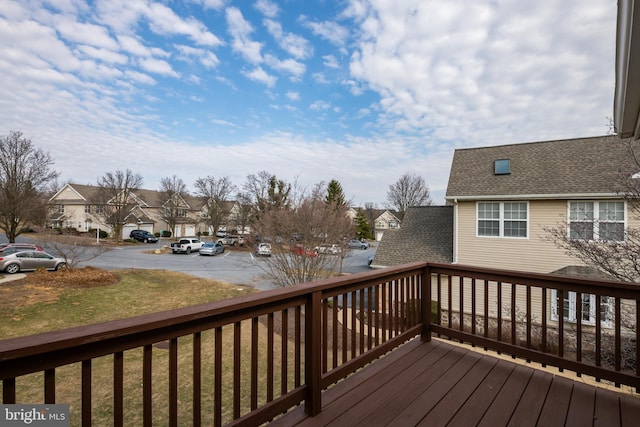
[72, 208]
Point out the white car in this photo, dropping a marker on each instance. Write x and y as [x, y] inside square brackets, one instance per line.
[358, 244]
[328, 249]
[263, 249]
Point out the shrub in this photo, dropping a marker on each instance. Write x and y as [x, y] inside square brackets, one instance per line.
[103, 234]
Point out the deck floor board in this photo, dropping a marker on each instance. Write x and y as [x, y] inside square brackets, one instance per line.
[437, 383]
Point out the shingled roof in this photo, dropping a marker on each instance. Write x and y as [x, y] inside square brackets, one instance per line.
[426, 235]
[551, 169]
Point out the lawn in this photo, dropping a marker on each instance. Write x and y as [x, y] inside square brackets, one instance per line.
[46, 301]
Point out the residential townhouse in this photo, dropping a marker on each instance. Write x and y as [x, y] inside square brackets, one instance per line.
[381, 220]
[503, 200]
[74, 207]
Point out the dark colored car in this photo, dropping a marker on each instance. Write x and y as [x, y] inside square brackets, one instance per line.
[29, 261]
[143, 236]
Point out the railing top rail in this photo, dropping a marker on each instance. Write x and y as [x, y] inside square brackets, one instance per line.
[549, 281]
[230, 310]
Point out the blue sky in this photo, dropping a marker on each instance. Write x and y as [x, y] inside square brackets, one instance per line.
[361, 91]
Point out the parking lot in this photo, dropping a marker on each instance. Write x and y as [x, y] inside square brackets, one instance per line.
[233, 266]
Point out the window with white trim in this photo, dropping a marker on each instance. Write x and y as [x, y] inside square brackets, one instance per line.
[503, 219]
[597, 220]
[587, 314]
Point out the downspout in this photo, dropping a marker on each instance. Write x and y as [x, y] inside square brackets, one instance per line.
[455, 231]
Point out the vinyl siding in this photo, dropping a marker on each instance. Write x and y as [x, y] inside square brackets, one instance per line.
[532, 254]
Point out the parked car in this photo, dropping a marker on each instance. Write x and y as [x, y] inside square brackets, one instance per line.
[358, 244]
[328, 249]
[263, 249]
[143, 236]
[212, 249]
[302, 251]
[20, 247]
[29, 261]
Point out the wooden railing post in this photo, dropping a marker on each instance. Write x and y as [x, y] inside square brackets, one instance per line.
[426, 304]
[313, 356]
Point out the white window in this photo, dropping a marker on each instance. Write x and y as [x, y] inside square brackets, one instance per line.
[588, 308]
[60, 209]
[502, 219]
[87, 208]
[591, 220]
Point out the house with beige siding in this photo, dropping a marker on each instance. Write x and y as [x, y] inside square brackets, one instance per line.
[506, 198]
[74, 207]
[503, 200]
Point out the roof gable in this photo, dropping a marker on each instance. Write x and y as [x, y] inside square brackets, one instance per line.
[580, 166]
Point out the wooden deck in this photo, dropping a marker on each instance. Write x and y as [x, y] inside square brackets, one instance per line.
[437, 383]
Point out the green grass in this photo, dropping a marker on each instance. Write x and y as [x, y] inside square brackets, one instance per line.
[43, 303]
[35, 306]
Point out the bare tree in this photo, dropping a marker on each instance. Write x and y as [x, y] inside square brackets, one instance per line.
[618, 257]
[245, 210]
[115, 198]
[25, 172]
[296, 231]
[75, 249]
[214, 194]
[174, 209]
[409, 190]
[267, 192]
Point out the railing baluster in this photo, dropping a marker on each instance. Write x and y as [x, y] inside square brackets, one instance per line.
[473, 306]
[270, 350]
[637, 325]
[353, 308]
[313, 368]
[284, 353]
[450, 300]
[298, 345]
[86, 393]
[560, 305]
[377, 311]
[118, 388]
[9, 391]
[461, 303]
[579, 307]
[544, 321]
[618, 351]
[147, 396]
[385, 311]
[50, 386]
[486, 309]
[217, 378]
[514, 314]
[334, 336]
[369, 318]
[173, 382]
[598, 332]
[499, 308]
[325, 336]
[254, 363]
[362, 314]
[345, 329]
[237, 366]
[197, 379]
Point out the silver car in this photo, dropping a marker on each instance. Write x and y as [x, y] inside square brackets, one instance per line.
[29, 261]
[212, 249]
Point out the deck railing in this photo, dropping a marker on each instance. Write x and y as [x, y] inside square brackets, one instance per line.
[249, 359]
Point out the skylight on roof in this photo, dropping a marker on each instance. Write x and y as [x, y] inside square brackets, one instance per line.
[502, 167]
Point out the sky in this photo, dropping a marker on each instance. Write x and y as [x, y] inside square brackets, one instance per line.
[361, 91]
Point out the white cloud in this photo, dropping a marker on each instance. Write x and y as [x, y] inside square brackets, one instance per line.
[293, 96]
[258, 74]
[240, 30]
[330, 61]
[290, 66]
[267, 8]
[328, 30]
[158, 66]
[295, 45]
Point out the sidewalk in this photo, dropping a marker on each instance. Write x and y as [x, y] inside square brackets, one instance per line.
[9, 277]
